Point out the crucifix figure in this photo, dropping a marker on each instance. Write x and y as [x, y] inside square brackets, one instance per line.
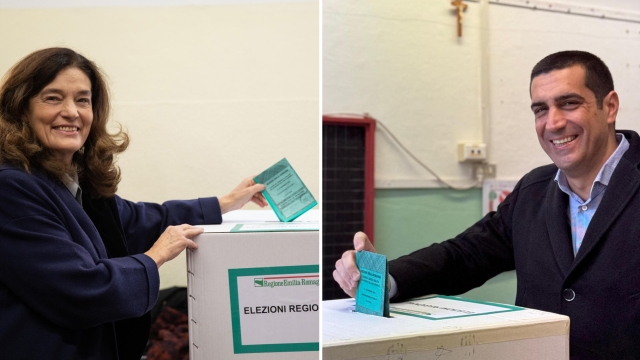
[460, 7]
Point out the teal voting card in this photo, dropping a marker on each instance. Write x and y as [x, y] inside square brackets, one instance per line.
[285, 191]
[372, 296]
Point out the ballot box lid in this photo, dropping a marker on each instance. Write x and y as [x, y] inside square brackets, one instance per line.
[263, 221]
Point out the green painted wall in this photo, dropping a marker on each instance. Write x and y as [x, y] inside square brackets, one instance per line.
[409, 219]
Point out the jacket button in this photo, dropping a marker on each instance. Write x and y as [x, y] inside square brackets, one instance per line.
[568, 294]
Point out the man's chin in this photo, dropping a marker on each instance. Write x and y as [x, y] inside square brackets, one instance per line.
[566, 165]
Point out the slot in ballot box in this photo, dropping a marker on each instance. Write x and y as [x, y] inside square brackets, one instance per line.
[443, 327]
[254, 288]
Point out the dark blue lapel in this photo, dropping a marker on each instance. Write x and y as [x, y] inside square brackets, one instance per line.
[559, 226]
[77, 212]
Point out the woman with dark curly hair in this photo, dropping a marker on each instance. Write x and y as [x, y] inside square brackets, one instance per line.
[78, 264]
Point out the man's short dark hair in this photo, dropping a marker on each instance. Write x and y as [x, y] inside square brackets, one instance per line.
[597, 76]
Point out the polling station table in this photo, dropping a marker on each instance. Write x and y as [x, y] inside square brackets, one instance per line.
[254, 288]
[443, 328]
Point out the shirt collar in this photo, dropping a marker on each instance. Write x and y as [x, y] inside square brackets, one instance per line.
[71, 183]
[604, 175]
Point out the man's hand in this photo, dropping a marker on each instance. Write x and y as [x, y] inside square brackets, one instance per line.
[346, 272]
[246, 191]
[172, 241]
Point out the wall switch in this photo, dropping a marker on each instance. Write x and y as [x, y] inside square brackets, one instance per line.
[472, 152]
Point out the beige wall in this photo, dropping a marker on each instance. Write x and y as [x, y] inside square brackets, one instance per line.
[209, 94]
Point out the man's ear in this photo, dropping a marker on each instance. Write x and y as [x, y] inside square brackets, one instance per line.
[611, 104]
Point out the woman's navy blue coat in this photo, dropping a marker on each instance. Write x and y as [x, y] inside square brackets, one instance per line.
[63, 294]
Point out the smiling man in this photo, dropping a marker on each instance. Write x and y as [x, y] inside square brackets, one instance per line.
[569, 229]
[575, 121]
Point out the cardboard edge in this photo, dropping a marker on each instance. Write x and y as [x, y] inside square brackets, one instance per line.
[448, 339]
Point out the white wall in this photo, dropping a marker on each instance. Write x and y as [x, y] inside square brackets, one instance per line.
[519, 38]
[209, 94]
[402, 63]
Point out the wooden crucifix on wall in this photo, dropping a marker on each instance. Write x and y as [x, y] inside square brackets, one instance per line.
[460, 7]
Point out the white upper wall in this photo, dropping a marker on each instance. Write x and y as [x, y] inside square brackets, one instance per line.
[519, 38]
[624, 5]
[402, 63]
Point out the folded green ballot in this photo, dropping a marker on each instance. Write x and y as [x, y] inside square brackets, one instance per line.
[285, 192]
[372, 296]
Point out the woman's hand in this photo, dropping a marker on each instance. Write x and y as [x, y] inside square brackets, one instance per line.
[172, 241]
[246, 191]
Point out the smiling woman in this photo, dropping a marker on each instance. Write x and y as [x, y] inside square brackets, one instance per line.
[58, 87]
[78, 264]
[61, 114]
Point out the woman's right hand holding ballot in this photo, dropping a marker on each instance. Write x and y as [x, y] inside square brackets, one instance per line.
[246, 191]
[346, 272]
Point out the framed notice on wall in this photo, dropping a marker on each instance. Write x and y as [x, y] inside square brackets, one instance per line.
[494, 192]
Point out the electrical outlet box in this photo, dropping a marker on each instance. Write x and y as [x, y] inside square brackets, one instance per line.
[472, 152]
[482, 171]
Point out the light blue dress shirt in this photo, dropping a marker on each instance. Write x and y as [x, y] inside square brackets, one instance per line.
[581, 212]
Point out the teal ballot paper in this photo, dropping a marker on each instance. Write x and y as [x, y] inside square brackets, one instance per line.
[372, 296]
[285, 192]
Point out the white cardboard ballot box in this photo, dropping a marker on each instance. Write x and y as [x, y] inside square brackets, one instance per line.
[443, 328]
[254, 288]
